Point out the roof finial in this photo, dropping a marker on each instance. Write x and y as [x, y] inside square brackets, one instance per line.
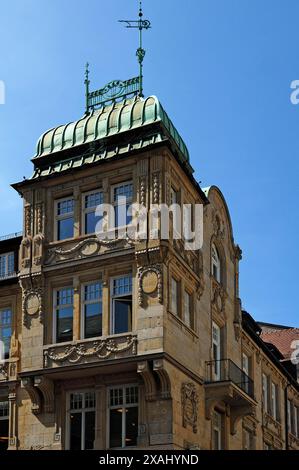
[87, 83]
[140, 24]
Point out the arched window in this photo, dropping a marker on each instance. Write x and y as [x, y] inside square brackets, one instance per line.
[216, 264]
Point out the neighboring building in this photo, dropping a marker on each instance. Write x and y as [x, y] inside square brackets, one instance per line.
[121, 344]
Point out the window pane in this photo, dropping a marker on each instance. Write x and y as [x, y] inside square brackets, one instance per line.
[76, 401]
[65, 228]
[75, 431]
[174, 296]
[116, 428]
[122, 285]
[123, 190]
[131, 395]
[65, 296]
[131, 426]
[10, 264]
[116, 396]
[90, 400]
[4, 407]
[93, 200]
[65, 207]
[93, 291]
[93, 320]
[89, 430]
[6, 330]
[64, 324]
[91, 221]
[122, 315]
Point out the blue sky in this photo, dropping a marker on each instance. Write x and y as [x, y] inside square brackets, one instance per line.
[221, 68]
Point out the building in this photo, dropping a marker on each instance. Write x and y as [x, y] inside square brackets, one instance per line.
[124, 343]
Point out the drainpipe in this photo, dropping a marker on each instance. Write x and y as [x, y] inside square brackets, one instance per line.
[286, 416]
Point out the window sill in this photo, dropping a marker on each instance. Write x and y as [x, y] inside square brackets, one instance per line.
[182, 324]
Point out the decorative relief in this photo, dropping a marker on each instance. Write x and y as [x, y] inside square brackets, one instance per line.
[4, 371]
[150, 281]
[218, 226]
[90, 351]
[142, 186]
[28, 221]
[84, 249]
[189, 397]
[156, 188]
[218, 297]
[33, 292]
[26, 253]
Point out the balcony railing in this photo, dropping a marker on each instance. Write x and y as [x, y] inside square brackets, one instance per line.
[11, 236]
[225, 370]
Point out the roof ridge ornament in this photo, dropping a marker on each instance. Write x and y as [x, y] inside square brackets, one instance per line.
[118, 90]
[140, 24]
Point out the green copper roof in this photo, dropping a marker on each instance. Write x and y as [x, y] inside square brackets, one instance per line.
[108, 121]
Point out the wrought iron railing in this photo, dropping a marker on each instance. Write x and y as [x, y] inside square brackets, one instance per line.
[10, 236]
[225, 370]
[8, 276]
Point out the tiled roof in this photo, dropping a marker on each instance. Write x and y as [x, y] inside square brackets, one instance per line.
[282, 339]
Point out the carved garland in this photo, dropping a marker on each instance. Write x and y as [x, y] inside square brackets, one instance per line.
[99, 349]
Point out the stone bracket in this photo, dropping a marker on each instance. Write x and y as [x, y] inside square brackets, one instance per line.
[46, 387]
[159, 368]
[149, 381]
[28, 385]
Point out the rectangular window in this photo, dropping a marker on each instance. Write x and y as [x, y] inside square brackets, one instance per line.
[216, 343]
[65, 218]
[246, 370]
[188, 310]
[92, 310]
[4, 424]
[122, 199]
[296, 423]
[265, 392]
[63, 314]
[174, 196]
[7, 264]
[82, 412]
[123, 416]
[175, 296]
[217, 430]
[5, 331]
[274, 401]
[91, 201]
[121, 304]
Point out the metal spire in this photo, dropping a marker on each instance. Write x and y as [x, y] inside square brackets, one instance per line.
[140, 24]
[87, 83]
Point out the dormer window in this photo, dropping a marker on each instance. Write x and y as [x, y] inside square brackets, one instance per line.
[216, 264]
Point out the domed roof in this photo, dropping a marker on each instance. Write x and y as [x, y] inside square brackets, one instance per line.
[116, 118]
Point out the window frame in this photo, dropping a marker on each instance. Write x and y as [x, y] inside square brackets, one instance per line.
[88, 210]
[265, 392]
[89, 302]
[176, 313]
[54, 329]
[3, 326]
[83, 411]
[57, 217]
[114, 204]
[123, 406]
[220, 429]
[190, 296]
[6, 255]
[112, 297]
[274, 401]
[217, 263]
[218, 344]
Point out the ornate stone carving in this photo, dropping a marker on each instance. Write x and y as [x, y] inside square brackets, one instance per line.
[32, 303]
[218, 226]
[28, 221]
[156, 188]
[165, 384]
[26, 252]
[150, 281]
[142, 190]
[46, 387]
[4, 371]
[91, 351]
[189, 397]
[218, 297]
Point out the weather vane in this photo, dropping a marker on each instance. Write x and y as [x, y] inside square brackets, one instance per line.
[140, 24]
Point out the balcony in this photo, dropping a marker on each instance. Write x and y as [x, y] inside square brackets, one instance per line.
[227, 384]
